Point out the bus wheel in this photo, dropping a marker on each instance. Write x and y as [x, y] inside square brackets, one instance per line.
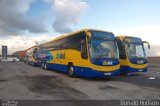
[71, 71]
[42, 65]
[45, 65]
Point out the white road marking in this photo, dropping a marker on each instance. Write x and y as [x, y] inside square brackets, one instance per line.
[152, 78]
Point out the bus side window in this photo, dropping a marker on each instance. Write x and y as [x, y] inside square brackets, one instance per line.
[74, 41]
[78, 42]
[122, 53]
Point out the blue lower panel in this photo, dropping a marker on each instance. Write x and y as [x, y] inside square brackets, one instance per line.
[83, 71]
[34, 63]
[30, 62]
[127, 69]
[39, 64]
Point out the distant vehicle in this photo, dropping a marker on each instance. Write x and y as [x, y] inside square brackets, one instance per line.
[11, 59]
[132, 54]
[87, 53]
[15, 59]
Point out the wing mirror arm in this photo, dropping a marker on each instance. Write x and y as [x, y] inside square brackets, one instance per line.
[115, 43]
[147, 43]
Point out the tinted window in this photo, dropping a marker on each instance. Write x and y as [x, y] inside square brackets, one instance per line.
[60, 44]
[74, 41]
[71, 42]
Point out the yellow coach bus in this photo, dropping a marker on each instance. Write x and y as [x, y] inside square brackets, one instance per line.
[132, 54]
[87, 53]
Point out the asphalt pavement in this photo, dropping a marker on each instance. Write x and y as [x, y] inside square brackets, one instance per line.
[25, 82]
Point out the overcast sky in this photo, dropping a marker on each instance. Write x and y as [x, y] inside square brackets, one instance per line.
[23, 22]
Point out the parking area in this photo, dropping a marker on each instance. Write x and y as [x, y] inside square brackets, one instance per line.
[22, 81]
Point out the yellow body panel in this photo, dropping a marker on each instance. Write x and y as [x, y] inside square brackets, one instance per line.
[126, 62]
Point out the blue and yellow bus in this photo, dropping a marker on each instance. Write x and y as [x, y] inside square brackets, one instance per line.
[87, 53]
[132, 54]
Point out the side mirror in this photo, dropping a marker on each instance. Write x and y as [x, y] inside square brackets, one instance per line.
[83, 50]
[148, 44]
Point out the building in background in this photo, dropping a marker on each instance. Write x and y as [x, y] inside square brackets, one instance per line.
[4, 52]
[19, 54]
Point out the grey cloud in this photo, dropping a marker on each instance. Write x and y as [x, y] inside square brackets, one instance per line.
[61, 25]
[67, 13]
[13, 18]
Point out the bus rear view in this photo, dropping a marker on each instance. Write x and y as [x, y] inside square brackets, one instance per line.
[132, 54]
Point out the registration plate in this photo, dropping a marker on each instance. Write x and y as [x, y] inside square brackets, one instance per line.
[107, 73]
[140, 70]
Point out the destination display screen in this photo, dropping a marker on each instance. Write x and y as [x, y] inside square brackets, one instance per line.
[102, 35]
[132, 40]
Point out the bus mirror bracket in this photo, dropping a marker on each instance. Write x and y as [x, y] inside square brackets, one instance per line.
[147, 43]
[88, 34]
[115, 43]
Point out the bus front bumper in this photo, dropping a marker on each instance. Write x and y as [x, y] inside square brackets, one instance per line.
[127, 69]
[87, 72]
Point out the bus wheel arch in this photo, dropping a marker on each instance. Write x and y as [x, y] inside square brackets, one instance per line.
[45, 65]
[70, 70]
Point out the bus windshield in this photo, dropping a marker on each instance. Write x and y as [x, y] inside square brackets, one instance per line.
[103, 46]
[135, 51]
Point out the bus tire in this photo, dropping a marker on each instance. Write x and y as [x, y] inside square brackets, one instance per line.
[45, 65]
[71, 72]
[42, 65]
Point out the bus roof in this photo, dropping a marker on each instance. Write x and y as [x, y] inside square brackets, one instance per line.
[66, 35]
